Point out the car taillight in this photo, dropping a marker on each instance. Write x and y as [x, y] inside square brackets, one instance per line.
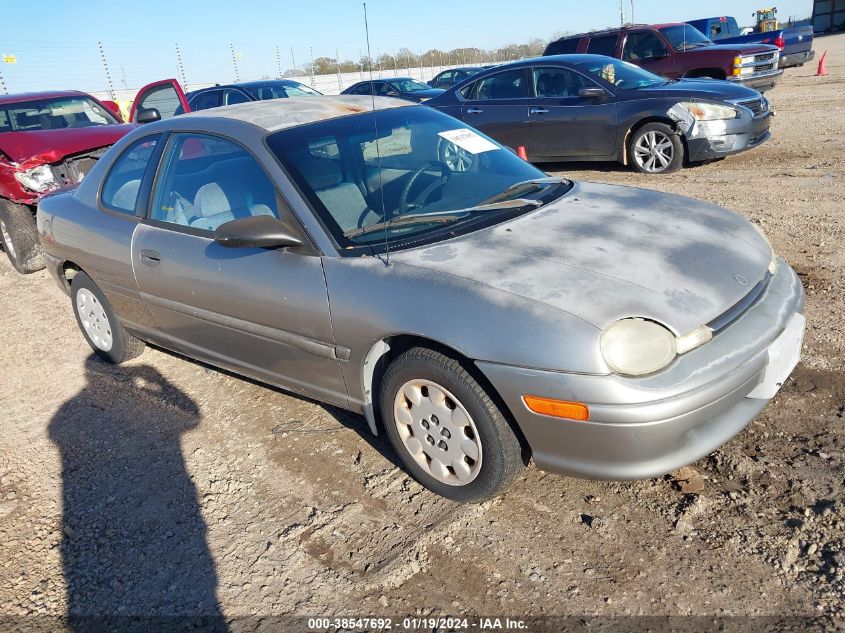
[780, 42]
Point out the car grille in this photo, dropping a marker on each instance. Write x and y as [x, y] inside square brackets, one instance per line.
[764, 57]
[739, 308]
[755, 105]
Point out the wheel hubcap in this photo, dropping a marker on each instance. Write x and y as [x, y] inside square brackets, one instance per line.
[456, 158]
[438, 432]
[94, 320]
[654, 151]
[7, 239]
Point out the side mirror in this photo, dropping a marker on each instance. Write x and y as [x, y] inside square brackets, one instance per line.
[591, 93]
[258, 231]
[431, 83]
[148, 115]
[391, 93]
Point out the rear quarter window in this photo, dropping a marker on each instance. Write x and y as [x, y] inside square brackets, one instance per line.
[563, 47]
[123, 182]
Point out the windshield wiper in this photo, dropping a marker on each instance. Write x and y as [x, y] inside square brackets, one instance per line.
[527, 186]
[443, 216]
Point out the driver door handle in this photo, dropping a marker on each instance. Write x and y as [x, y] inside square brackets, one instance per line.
[538, 110]
[150, 258]
[474, 110]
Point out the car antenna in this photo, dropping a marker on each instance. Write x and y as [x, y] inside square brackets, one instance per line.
[375, 125]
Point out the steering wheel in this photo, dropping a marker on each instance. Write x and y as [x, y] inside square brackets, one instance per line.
[445, 173]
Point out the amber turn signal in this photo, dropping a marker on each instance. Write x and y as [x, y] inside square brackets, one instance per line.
[557, 408]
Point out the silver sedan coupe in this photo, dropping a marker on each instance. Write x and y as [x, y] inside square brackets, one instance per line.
[386, 258]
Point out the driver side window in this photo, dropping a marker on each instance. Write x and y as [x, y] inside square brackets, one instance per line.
[207, 181]
[643, 45]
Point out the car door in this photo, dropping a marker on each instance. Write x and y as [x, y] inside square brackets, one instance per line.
[261, 312]
[565, 124]
[498, 106]
[647, 50]
[165, 96]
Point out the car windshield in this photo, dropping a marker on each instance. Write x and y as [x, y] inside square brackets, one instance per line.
[280, 90]
[53, 114]
[621, 74]
[409, 85]
[422, 176]
[684, 37]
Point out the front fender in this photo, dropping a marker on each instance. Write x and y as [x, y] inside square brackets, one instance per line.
[372, 301]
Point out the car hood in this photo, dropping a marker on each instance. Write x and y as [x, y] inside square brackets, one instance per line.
[700, 88]
[424, 94]
[603, 253]
[742, 49]
[49, 146]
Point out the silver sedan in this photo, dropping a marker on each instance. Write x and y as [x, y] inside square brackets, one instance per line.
[386, 258]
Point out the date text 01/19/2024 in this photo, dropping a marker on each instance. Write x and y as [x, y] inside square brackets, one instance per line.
[415, 623]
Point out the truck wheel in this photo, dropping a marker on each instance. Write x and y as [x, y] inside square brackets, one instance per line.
[446, 429]
[99, 324]
[656, 149]
[20, 237]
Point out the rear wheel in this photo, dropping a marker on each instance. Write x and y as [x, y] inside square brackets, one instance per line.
[99, 324]
[448, 432]
[20, 237]
[656, 149]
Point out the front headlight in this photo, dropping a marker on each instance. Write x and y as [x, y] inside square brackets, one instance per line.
[636, 347]
[710, 111]
[38, 179]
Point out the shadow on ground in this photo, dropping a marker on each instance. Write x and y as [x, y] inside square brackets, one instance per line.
[134, 548]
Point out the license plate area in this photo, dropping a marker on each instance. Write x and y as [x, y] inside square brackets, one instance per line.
[784, 353]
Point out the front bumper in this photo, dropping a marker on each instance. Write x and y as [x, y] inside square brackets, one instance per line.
[796, 59]
[759, 81]
[717, 139]
[645, 427]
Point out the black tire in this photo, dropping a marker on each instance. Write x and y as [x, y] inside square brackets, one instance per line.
[501, 459]
[123, 346]
[20, 237]
[674, 157]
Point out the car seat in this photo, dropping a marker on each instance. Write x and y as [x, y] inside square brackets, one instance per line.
[343, 200]
[219, 202]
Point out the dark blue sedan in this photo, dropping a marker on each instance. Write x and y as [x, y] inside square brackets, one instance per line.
[401, 87]
[597, 108]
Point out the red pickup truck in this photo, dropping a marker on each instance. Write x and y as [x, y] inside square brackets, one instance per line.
[679, 50]
[47, 140]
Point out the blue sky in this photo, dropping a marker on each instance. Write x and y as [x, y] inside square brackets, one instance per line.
[139, 38]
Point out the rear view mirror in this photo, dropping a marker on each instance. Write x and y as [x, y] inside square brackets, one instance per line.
[591, 93]
[148, 115]
[259, 231]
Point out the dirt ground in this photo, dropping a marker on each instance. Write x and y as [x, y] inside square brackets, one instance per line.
[164, 487]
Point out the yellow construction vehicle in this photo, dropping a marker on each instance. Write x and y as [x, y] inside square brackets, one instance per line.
[767, 20]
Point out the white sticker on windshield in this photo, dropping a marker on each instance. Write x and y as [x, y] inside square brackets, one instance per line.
[469, 140]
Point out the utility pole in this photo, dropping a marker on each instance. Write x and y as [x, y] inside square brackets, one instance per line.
[292, 59]
[123, 75]
[106, 67]
[180, 67]
[633, 20]
[235, 62]
[621, 12]
[3, 85]
[279, 63]
[311, 72]
[337, 65]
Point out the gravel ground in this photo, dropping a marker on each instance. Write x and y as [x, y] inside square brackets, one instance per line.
[164, 487]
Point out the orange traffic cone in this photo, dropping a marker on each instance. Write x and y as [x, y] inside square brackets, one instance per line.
[520, 151]
[822, 72]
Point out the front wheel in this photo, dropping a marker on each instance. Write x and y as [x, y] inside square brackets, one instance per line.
[20, 237]
[656, 149]
[99, 324]
[448, 432]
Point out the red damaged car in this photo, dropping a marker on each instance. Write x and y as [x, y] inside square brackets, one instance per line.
[47, 140]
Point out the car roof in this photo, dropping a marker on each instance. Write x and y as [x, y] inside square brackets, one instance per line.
[626, 27]
[31, 96]
[278, 114]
